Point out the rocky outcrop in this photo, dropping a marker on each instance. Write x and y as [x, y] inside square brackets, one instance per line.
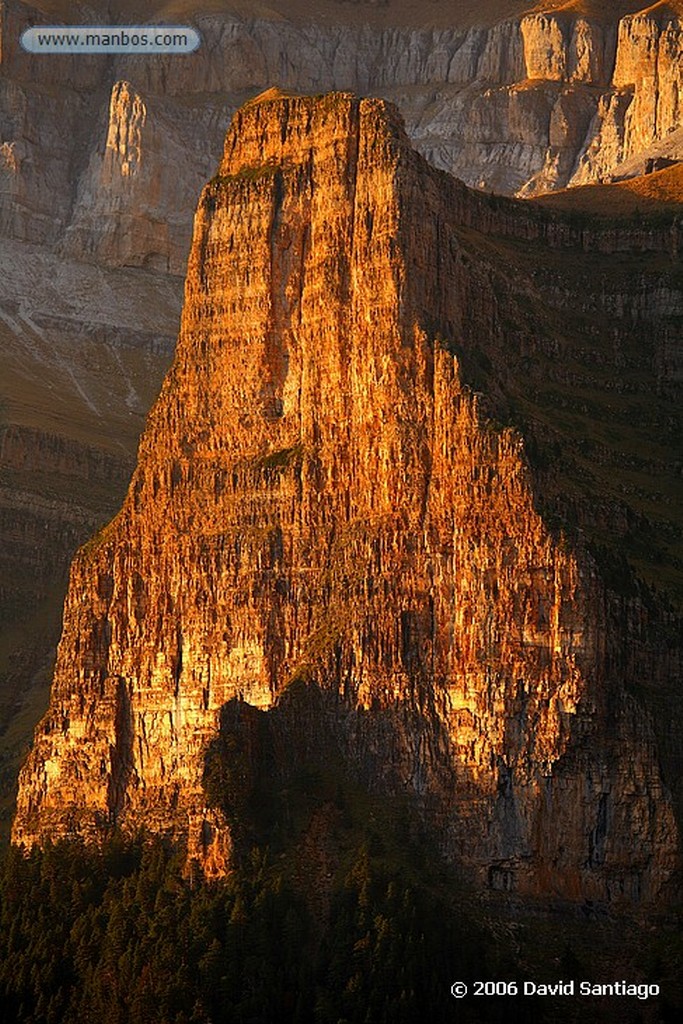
[131, 207]
[101, 160]
[322, 506]
[564, 47]
[644, 103]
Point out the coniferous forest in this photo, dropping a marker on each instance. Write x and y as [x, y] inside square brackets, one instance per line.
[124, 938]
[338, 910]
[126, 934]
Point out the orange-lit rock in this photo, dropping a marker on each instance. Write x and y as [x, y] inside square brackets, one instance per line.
[319, 497]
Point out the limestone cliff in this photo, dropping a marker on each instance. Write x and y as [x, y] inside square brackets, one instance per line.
[519, 105]
[545, 99]
[321, 505]
[132, 201]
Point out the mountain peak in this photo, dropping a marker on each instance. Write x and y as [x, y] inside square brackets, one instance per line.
[325, 526]
[268, 95]
[279, 127]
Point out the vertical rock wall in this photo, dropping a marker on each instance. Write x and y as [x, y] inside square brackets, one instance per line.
[320, 501]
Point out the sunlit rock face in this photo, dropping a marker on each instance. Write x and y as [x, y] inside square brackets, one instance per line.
[643, 106]
[320, 502]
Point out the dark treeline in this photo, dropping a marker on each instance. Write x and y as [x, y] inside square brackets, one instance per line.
[121, 937]
[338, 910]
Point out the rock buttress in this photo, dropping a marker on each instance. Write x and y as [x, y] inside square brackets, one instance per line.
[318, 498]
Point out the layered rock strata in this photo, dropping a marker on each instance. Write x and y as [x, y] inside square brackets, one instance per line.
[93, 151]
[83, 355]
[321, 502]
[101, 157]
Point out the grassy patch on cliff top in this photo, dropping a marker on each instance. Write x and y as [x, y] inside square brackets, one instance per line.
[659, 192]
[598, 10]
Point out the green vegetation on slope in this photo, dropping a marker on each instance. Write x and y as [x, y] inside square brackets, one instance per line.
[119, 936]
[122, 938]
[581, 365]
